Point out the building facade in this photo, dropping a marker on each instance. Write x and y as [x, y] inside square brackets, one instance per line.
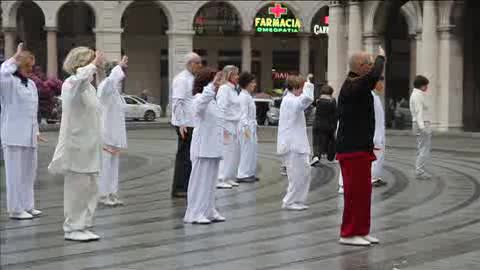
[270, 39]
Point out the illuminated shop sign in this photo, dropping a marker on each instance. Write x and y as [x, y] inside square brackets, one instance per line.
[321, 29]
[274, 23]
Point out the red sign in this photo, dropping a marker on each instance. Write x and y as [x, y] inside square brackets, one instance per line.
[277, 11]
[325, 20]
[280, 75]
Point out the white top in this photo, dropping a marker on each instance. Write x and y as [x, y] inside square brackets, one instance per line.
[207, 138]
[379, 136]
[248, 118]
[292, 127]
[419, 108]
[113, 116]
[229, 103]
[80, 143]
[182, 99]
[18, 120]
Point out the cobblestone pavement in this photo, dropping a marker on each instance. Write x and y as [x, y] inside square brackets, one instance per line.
[422, 224]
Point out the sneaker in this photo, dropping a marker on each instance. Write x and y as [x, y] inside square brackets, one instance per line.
[250, 179]
[283, 171]
[79, 236]
[91, 235]
[21, 215]
[35, 212]
[106, 200]
[233, 183]
[354, 241]
[116, 200]
[378, 182]
[295, 207]
[224, 185]
[315, 160]
[371, 239]
[202, 221]
[340, 190]
[424, 176]
[218, 218]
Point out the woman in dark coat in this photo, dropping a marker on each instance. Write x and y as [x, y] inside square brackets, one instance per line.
[324, 126]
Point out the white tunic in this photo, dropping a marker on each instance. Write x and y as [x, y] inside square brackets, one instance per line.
[229, 104]
[248, 118]
[292, 127]
[19, 126]
[419, 108]
[113, 116]
[80, 144]
[379, 136]
[182, 99]
[248, 145]
[207, 138]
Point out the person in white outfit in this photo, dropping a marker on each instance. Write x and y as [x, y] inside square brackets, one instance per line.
[19, 133]
[421, 126]
[379, 136]
[247, 167]
[114, 131]
[292, 143]
[78, 155]
[206, 150]
[229, 103]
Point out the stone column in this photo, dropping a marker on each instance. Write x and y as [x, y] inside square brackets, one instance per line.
[450, 97]
[413, 58]
[52, 49]
[336, 46]
[9, 35]
[304, 53]
[247, 51]
[109, 40]
[320, 68]
[371, 42]
[266, 62]
[430, 55]
[418, 59]
[180, 43]
[354, 27]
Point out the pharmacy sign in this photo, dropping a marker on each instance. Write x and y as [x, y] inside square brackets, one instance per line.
[276, 21]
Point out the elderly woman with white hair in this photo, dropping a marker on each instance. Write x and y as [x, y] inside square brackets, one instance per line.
[183, 121]
[78, 155]
[228, 101]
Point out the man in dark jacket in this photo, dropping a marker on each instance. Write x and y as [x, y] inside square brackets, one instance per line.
[355, 145]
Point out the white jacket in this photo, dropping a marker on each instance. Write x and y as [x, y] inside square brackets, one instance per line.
[182, 99]
[379, 135]
[419, 108]
[229, 104]
[207, 138]
[19, 126]
[248, 118]
[80, 143]
[113, 116]
[292, 127]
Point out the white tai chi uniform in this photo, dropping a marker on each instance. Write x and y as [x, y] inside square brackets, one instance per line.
[205, 153]
[247, 168]
[78, 155]
[229, 104]
[379, 137]
[421, 117]
[294, 147]
[114, 131]
[19, 130]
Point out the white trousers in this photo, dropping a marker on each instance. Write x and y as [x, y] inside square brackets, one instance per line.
[201, 190]
[80, 201]
[298, 169]
[21, 172]
[247, 166]
[377, 165]
[229, 164]
[108, 183]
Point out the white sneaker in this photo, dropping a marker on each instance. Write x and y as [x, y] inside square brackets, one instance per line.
[21, 216]
[219, 218]
[35, 212]
[106, 200]
[233, 183]
[114, 198]
[295, 207]
[315, 160]
[202, 221]
[340, 190]
[283, 171]
[79, 236]
[371, 239]
[223, 185]
[354, 241]
[91, 235]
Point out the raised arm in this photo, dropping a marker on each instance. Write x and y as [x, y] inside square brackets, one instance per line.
[78, 82]
[111, 84]
[201, 102]
[11, 65]
[306, 98]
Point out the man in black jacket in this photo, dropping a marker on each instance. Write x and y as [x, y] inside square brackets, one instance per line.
[355, 145]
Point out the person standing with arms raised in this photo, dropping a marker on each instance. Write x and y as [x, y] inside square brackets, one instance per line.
[355, 146]
[182, 120]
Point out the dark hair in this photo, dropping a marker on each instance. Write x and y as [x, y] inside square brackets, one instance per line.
[202, 79]
[381, 79]
[420, 81]
[245, 79]
[326, 90]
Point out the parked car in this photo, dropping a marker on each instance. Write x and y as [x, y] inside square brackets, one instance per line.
[56, 114]
[137, 108]
[402, 116]
[262, 107]
[273, 114]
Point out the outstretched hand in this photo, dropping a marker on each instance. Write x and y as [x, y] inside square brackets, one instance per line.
[124, 61]
[217, 80]
[99, 58]
[381, 51]
[18, 52]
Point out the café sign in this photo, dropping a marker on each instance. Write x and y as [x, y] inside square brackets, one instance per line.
[321, 29]
[275, 23]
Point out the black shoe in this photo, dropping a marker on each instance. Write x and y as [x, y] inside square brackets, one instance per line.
[250, 179]
[379, 183]
[179, 194]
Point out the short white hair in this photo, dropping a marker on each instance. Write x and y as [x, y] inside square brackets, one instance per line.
[77, 58]
[191, 57]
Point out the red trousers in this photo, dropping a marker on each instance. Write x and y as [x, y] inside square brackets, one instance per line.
[357, 186]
